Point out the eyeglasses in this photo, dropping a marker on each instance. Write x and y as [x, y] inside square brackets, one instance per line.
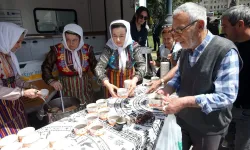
[143, 17]
[180, 30]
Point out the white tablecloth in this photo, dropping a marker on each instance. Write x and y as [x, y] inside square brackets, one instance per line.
[132, 137]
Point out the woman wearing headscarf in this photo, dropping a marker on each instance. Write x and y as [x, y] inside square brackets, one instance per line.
[73, 59]
[119, 58]
[12, 116]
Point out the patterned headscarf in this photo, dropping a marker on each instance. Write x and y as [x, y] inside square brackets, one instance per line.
[121, 50]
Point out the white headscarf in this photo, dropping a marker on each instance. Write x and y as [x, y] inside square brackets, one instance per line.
[9, 35]
[121, 50]
[76, 60]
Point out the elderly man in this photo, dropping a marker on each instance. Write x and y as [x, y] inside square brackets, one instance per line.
[206, 80]
[236, 27]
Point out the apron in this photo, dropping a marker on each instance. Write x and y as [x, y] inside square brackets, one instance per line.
[12, 117]
[117, 77]
[73, 85]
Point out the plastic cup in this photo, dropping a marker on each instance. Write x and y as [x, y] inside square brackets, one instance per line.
[103, 113]
[7, 140]
[154, 78]
[122, 92]
[25, 132]
[91, 118]
[80, 129]
[32, 138]
[127, 83]
[92, 108]
[112, 117]
[44, 92]
[96, 129]
[102, 103]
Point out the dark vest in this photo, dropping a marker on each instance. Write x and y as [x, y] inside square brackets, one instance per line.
[199, 80]
[244, 84]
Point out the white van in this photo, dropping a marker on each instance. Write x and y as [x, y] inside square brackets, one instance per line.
[45, 20]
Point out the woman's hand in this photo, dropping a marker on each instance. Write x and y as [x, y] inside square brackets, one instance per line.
[31, 86]
[32, 93]
[132, 86]
[56, 85]
[112, 89]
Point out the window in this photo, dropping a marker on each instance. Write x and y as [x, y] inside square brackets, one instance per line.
[49, 20]
[211, 7]
[214, 7]
[218, 6]
[247, 4]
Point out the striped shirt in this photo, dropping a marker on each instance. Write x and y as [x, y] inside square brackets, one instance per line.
[226, 83]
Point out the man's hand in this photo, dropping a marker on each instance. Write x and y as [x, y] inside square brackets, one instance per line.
[174, 105]
[153, 86]
[153, 63]
[163, 92]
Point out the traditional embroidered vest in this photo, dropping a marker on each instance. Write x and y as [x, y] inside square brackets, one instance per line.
[114, 59]
[64, 61]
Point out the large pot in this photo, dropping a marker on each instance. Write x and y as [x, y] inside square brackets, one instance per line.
[68, 102]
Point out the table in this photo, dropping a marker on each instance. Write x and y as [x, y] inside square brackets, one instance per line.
[132, 137]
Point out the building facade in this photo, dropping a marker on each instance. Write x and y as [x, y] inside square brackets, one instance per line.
[218, 6]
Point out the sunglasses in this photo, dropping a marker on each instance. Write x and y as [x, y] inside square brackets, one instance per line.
[180, 30]
[143, 17]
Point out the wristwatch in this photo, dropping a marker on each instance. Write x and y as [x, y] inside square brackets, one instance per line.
[162, 81]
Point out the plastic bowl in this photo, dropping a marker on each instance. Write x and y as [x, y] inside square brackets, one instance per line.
[103, 113]
[102, 103]
[92, 108]
[25, 132]
[7, 140]
[97, 129]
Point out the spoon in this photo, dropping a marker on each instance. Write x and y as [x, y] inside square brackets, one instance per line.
[62, 101]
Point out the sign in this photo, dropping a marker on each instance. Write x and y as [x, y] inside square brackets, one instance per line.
[11, 15]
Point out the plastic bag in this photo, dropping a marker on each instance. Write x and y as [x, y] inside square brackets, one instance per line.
[170, 137]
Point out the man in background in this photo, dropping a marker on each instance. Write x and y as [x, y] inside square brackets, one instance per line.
[236, 27]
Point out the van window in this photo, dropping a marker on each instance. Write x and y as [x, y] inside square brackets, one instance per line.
[49, 20]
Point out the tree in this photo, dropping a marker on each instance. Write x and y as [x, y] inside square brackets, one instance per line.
[233, 3]
[158, 10]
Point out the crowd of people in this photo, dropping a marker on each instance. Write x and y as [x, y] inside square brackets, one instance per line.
[207, 71]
